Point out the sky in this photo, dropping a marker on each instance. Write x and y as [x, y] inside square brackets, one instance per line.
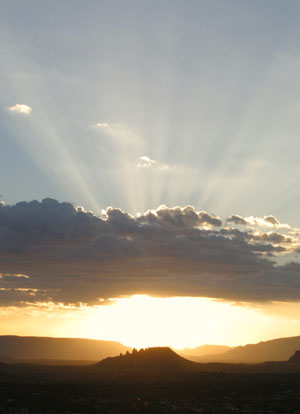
[149, 170]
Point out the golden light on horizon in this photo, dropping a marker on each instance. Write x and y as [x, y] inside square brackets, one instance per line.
[143, 321]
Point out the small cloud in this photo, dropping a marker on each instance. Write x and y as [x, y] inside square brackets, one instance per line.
[116, 130]
[103, 125]
[21, 109]
[146, 162]
[119, 132]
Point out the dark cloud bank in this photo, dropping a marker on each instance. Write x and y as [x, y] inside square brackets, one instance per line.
[50, 251]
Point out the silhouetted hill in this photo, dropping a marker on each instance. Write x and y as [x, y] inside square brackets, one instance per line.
[30, 348]
[149, 364]
[147, 361]
[275, 350]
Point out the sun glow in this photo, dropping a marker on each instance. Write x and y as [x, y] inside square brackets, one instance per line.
[141, 321]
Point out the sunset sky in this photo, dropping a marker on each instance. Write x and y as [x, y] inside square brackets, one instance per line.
[149, 163]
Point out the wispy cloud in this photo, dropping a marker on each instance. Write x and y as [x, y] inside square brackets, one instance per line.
[21, 109]
[14, 276]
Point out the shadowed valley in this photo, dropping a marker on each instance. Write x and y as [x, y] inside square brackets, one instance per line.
[152, 380]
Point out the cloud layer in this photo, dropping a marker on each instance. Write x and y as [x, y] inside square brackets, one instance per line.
[53, 252]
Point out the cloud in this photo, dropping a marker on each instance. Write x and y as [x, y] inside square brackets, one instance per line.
[178, 217]
[236, 219]
[146, 162]
[21, 109]
[115, 130]
[273, 237]
[272, 220]
[266, 221]
[53, 252]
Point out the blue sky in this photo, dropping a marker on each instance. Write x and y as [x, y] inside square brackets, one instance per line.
[209, 89]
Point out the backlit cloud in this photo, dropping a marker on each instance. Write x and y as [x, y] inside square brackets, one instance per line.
[179, 217]
[53, 252]
[266, 221]
[21, 109]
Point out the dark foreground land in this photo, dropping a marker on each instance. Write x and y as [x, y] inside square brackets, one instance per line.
[193, 393]
[155, 380]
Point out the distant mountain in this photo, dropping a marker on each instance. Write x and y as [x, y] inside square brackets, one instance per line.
[275, 350]
[203, 350]
[43, 348]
